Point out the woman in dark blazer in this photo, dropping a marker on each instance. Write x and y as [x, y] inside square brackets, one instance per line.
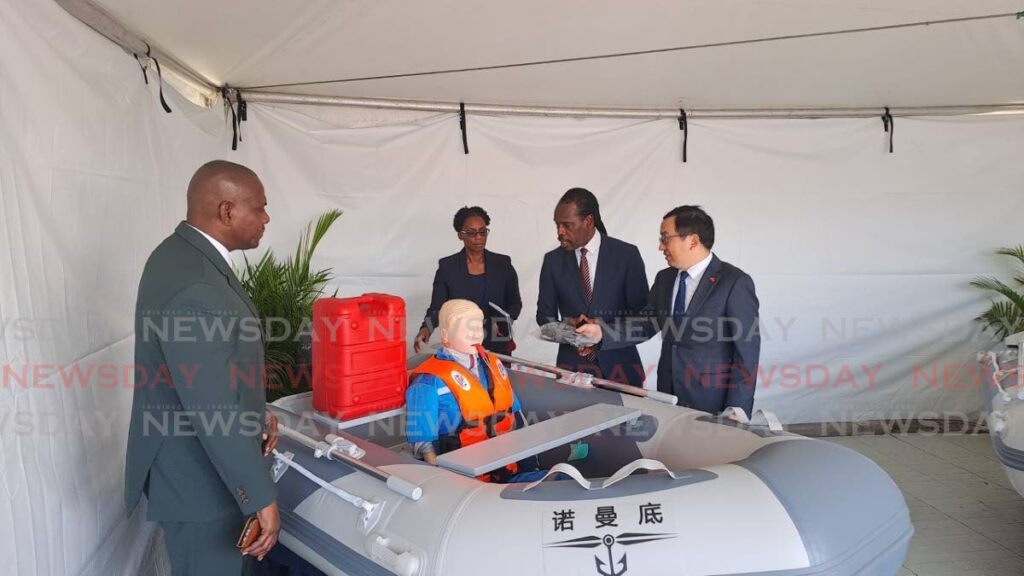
[476, 274]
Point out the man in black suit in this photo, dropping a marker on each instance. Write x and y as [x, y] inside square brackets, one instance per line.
[707, 312]
[591, 276]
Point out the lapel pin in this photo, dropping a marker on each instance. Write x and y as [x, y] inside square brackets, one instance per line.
[713, 279]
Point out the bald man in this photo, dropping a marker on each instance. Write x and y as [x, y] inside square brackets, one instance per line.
[200, 436]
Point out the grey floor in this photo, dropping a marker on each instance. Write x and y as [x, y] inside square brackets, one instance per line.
[968, 520]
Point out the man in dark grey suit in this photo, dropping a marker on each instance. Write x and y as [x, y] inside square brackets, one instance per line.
[707, 312]
[200, 435]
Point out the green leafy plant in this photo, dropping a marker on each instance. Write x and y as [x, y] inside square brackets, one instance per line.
[283, 293]
[1005, 316]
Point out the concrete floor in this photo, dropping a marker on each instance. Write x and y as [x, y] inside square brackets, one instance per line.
[968, 519]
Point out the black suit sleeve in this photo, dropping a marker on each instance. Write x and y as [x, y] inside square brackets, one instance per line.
[547, 295]
[642, 325]
[742, 309]
[637, 294]
[438, 296]
[513, 300]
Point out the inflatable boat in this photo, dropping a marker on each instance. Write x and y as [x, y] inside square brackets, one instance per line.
[1004, 400]
[661, 490]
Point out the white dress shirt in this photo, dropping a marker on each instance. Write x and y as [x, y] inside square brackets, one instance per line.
[593, 247]
[695, 272]
[220, 247]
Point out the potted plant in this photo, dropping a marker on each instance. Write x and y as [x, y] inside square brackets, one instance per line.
[1006, 315]
[283, 293]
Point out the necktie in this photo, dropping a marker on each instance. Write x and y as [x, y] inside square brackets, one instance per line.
[679, 308]
[588, 290]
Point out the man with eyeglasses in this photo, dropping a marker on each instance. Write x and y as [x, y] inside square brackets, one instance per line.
[707, 311]
[591, 276]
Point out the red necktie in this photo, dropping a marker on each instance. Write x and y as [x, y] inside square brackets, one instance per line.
[588, 290]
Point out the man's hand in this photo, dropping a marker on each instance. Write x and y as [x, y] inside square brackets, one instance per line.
[269, 433]
[576, 321]
[592, 331]
[421, 339]
[270, 525]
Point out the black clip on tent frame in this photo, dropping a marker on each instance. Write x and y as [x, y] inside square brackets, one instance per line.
[685, 128]
[462, 126]
[889, 125]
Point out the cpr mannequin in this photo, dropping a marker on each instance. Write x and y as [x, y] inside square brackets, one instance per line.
[461, 395]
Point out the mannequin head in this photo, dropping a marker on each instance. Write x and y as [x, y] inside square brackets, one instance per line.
[462, 326]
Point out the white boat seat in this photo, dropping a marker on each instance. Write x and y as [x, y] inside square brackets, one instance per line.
[494, 453]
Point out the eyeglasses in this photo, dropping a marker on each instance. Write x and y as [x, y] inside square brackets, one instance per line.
[664, 238]
[483, 232]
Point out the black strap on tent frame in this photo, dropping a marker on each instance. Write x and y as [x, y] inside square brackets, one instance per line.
[889, 125]
[685, 128]
[236, 118]
[159, 75]
[462, 126]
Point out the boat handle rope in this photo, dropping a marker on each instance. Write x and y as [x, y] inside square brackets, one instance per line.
[998, 374]
[761, 418]
[574, 473]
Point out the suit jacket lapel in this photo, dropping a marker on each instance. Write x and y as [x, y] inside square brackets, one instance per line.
[604, 262]
[200, 243]
[707, 283]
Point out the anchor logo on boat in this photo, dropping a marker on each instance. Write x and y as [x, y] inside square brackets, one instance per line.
[610, 567]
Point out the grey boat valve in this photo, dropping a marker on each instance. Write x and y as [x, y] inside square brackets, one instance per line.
[404, 563]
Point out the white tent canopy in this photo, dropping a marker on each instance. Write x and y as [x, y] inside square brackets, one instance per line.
[693, 54]
[861, 258]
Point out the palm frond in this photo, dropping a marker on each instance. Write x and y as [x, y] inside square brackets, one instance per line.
[284, 293]
[1005, 316]
[1016, 252]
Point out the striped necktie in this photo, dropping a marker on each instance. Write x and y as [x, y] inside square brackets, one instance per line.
[588, 290]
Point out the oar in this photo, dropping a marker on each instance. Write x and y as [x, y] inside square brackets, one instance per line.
[394, 483]
[567, 376]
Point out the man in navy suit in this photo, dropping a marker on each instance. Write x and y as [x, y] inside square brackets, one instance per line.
[707, 312]
[591, 276]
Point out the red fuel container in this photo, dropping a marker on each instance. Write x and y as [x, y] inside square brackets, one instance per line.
[359, 355]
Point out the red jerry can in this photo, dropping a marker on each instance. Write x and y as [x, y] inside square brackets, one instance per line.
[359, 355]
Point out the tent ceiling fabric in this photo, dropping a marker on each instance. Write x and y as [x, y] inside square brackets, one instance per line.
[249, 43]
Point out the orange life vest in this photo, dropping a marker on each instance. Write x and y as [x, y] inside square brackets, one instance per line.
[485, 413]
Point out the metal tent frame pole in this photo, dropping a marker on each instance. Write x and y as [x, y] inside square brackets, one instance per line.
[204, 91]
[193, 85]
[499, 110]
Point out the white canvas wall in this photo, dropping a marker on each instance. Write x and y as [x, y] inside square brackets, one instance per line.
[91, 173]
[861, 258]
[835, 231]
